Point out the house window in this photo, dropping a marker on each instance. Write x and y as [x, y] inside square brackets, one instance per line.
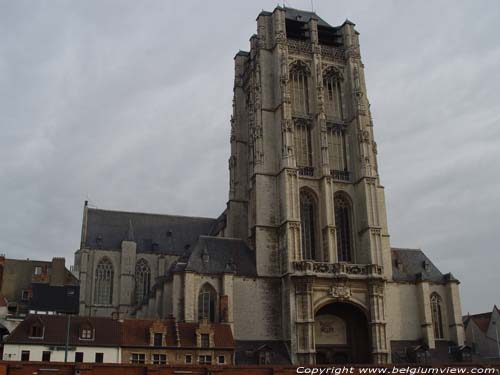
[343, 225]
[25, 295]
[159, 359]
[86, 334]
[205, 359]
[205, 340]
[36, 331]
[38, 270]
[104, 282]
[221, 360]
[206, 303]
[302, 144]
[138, 358]
[188, 359]
[79, 357]
[99, 357]
[333, 93]
[25, 355]
[158, 339]
[45, 356]
[308, 225]
[142, 280]
[299, 89]
[437, 316]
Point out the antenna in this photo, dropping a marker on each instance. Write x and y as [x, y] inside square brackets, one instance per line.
[312, 5]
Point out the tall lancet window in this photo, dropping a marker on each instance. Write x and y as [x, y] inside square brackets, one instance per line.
[302, 143]
[299, 88]
[207, 303]
[142, 280]
[337, 152]
[437, 316]
[308, 218]
[343, 225]
[103, 293]
[332, 79]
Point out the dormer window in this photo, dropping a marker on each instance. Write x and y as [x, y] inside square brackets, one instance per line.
[86, 332]
[36, 330]
[205, 340]
[158, 339]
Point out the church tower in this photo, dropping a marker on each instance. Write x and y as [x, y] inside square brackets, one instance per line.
[304, 184]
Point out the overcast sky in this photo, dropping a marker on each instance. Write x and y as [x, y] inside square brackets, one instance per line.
[127, 104]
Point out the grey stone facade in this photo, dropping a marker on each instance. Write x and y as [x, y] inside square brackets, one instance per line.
[301, 130]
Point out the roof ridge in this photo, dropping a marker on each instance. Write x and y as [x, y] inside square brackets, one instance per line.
[151, 213]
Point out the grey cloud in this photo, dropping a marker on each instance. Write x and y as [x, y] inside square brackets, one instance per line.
[129, 103]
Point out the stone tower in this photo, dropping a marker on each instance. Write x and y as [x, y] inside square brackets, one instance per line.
[304, 184]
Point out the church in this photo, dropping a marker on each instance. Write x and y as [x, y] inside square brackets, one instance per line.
[299, 263]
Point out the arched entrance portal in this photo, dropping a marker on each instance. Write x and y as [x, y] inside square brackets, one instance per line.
[341, 334]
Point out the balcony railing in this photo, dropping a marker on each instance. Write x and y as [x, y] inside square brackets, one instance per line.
[340, 175]
[338, 269]
[306, 171]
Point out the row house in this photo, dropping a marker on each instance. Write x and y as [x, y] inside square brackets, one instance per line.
[58, 338]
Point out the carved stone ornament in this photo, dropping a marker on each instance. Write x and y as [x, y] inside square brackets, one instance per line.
[341, 292]
[332, 71]
[299, 65]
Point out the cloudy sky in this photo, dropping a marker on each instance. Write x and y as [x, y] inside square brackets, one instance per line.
[127, 104]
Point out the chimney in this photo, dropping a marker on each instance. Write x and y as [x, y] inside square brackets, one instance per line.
[58, 274]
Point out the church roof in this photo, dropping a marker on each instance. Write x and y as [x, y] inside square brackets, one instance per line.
[300, 15]
[304, 16]
[412, 265]
[216, 255]
[169, 234]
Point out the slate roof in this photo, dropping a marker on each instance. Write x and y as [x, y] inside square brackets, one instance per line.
[107, 331]
[246, 352]
[304, 16]
[168, 234]
[411, 266]
[224, 255]
[62, 299]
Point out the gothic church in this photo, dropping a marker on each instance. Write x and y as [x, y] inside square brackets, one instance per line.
[299, 263]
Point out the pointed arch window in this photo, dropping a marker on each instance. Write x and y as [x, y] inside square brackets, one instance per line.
[337, 152]
[142, 280]
[103, 294]
[437, 316]
[302, 143]
[343, 225]
[308, 218]
[299, 88]
[206, 303]
[332, 84]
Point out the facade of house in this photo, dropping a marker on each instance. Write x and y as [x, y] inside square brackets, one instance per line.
[299, 263]
[46, 338]
[46, 286]
[482, 333]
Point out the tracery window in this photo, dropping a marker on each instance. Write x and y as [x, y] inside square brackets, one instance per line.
[343, 225]
[142, 280]
[308, 225]
[337, 149]
[333, 93]
[299, 88]
[302, 141]
[103, 293]
[437, 316]
[206, 303]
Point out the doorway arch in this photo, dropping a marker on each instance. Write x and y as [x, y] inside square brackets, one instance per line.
[341, 334]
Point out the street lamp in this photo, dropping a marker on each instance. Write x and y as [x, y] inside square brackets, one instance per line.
[496, 331]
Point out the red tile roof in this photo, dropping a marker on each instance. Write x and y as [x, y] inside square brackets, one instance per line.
[481, 320]
[112, 332]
